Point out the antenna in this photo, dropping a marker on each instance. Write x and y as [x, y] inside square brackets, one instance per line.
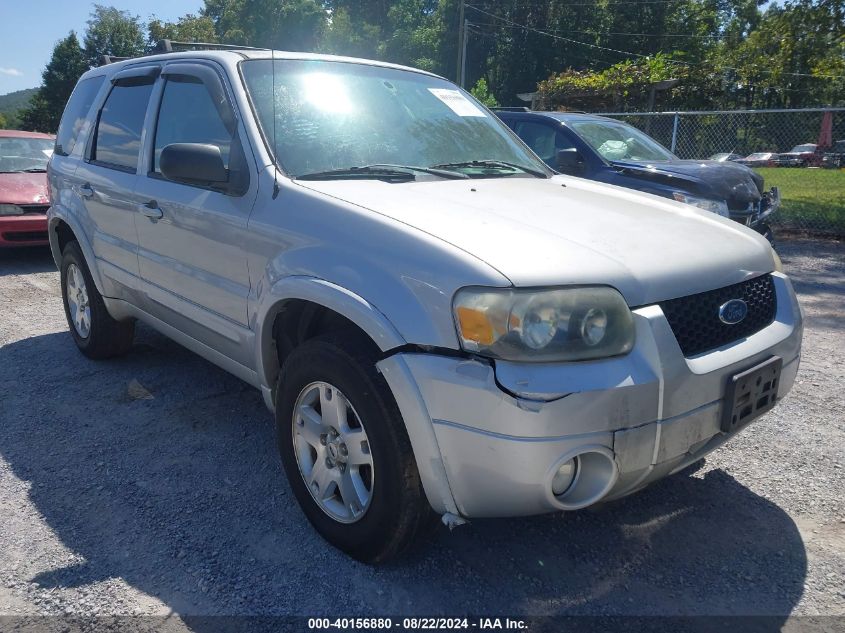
[275, 146]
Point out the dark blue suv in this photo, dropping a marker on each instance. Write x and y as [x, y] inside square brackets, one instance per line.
[614, 152]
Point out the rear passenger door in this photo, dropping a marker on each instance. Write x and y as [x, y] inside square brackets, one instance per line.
[105, 181]
[192, 238]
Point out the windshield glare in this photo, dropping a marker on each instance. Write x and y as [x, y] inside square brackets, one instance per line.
[333, 115]
[615, 140]
[24, 154]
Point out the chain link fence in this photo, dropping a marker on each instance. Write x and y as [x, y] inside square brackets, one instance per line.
[813, 197]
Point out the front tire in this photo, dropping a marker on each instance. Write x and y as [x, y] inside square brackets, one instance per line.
[95, 332]
[346, 452]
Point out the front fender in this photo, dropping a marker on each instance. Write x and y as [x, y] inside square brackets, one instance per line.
[386, 336]
[365, 315]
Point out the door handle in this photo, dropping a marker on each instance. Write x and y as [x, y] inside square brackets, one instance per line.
[151, 210]
[86, 190]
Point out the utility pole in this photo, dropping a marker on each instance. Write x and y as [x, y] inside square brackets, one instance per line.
[464, 39]
[461, 44]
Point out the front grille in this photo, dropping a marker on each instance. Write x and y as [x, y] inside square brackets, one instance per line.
[35, 208]
[695, 319]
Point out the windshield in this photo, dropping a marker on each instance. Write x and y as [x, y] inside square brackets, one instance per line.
[336, 115]
[803, 148]
[24, 154]
[615, 140]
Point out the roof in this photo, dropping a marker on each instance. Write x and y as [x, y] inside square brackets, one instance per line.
[23, 134]
[239, 54]
[563, 117]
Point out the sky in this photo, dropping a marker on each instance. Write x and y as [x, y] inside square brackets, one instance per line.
[29, 29]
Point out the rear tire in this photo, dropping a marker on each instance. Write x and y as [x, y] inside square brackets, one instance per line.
[95, 332]
[389, 513]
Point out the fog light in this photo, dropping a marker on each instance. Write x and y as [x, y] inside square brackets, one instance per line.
[564, 477]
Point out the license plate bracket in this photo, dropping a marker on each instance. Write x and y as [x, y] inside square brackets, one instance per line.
[751, 393]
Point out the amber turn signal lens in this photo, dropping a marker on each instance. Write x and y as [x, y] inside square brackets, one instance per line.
[475, 326]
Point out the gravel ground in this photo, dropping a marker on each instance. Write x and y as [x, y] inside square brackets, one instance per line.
[151, 485]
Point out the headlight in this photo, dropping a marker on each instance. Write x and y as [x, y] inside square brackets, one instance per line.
[719, 207]
[565, 324]
[10, 209]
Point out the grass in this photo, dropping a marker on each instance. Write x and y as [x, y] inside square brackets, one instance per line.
[812, 199]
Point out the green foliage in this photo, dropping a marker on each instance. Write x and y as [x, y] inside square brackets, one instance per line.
[11, 105]
[622, 80]
[288, 24]
[113, 32]
[188, 28]
[483, 94]
[59, 78]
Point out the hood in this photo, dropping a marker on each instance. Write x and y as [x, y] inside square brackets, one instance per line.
[24, 188]
[563, 230]
[722, 180]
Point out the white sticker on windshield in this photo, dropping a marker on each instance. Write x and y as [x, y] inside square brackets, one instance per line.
[457, 102]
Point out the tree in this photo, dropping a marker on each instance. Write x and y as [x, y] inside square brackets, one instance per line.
[113, 32]
[295, 25]
[482, 93]
[188, 28]
[65, 67]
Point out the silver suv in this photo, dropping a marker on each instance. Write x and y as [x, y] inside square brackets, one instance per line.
[441, 324]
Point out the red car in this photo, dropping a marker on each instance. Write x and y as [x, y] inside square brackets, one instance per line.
[805, 155]
[24, 197]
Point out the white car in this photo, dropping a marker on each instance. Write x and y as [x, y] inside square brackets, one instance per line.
[441, 324]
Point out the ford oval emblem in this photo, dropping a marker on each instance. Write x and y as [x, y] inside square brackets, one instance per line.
[733, 311]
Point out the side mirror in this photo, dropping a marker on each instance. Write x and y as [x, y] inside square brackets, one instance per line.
[569, 161]
[193, 163]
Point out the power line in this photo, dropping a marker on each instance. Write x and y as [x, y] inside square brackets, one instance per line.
[590, 61]
[565, 39]
[714, 37]
[632, 54]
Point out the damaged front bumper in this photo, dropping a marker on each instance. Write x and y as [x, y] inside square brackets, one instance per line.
[489, 439]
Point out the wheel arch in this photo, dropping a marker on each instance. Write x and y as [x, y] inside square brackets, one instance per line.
[306, 302]
[62, 229]
[312, 306]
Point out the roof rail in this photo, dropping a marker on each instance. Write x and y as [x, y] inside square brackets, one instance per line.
[111, 59]
[169, 46]
[511, 109]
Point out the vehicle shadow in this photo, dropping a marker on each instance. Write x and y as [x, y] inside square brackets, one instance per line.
[30, 259]
[160, 469]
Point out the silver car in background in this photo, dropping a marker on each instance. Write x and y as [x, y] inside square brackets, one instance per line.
[442, 325]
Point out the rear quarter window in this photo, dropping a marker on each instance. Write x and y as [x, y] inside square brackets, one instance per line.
[76, 111]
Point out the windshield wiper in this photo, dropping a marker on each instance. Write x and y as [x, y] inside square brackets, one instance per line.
[361, 173]
[443, 173]
[35, 170]
[399, 173]
[492, 164]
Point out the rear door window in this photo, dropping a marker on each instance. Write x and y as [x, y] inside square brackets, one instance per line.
[117, 140]
[75, 113]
